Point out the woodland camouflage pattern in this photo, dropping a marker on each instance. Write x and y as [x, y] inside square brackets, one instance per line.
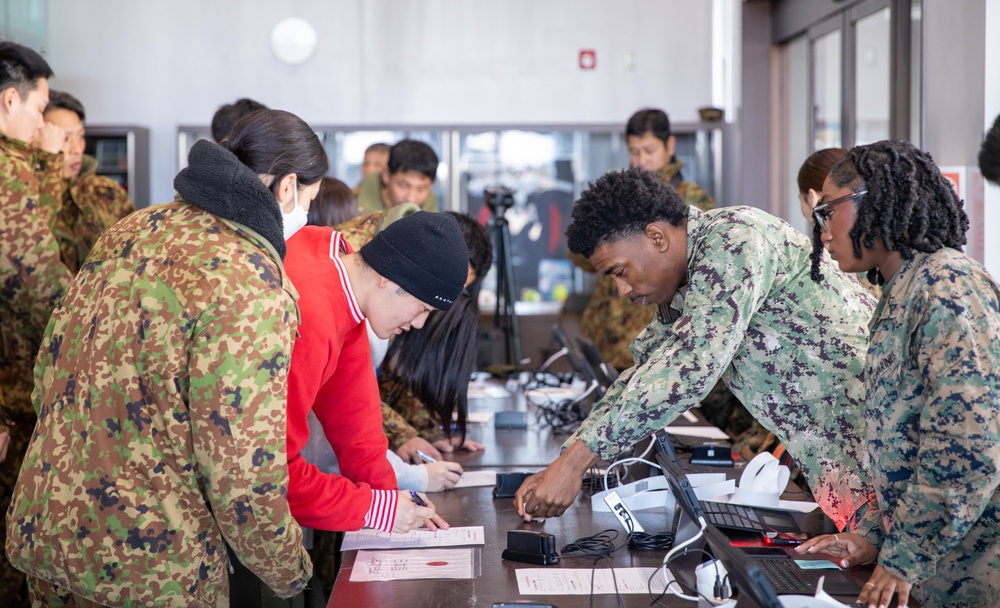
[790, 349]
[163, 403]
[933, 428]
[90, 205]
[32, 281]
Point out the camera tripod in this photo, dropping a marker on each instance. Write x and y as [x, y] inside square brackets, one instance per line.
[499, 199]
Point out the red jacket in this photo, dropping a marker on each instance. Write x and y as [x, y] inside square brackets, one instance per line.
[332, 374]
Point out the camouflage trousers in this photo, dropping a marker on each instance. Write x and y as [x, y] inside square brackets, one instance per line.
[13, 588]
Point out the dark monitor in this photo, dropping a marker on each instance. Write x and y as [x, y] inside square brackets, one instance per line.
[606, 374]
[576, 360]
[744, 575]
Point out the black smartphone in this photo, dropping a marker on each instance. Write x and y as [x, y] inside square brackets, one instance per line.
[785, 538]
[508, 483]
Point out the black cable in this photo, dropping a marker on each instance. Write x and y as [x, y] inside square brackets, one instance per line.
[645, 541]
[599, 546]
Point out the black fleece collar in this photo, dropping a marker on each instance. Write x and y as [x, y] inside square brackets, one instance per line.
[216, 181]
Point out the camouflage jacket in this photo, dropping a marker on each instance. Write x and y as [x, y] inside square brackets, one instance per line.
[33, 279]
[407, 417]
[790, 349]
[161, 419]
[359, 230]
[91, 204]
[370, 195]
[933, 428]
[611, 321]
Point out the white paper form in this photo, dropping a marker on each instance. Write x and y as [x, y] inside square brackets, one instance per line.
[472, 479]
[576, 581]
[415, 539]
[410, 564]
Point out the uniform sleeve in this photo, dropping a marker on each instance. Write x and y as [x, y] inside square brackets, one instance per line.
[397, 429]
[348, 407]
[409, 411]
[239, 365]
[33, 277]
[956, 470]
[679, 363]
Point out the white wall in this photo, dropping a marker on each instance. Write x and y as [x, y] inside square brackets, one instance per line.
[991, 202]
[161, 63]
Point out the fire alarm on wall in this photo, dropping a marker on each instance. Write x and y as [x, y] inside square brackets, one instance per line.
[588, 59]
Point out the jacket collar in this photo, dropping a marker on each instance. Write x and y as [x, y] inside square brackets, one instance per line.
[216, 181]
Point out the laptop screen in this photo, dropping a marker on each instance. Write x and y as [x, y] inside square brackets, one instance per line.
[576, 360]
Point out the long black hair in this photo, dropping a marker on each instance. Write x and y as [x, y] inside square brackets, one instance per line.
[910, 206]
[435, 362]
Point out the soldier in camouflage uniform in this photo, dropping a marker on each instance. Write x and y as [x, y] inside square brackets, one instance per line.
[161, 404]
[613, 322]
[932, 376]
[33, 279]
[407, 178]
[91, 203]
[735, 303]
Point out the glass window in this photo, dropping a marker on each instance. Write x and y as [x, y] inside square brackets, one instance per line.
[872, 78]
[827, 77]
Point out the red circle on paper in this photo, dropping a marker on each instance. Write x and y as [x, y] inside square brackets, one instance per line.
[437, 563]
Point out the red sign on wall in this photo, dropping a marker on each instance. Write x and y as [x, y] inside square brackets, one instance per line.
[588, 59]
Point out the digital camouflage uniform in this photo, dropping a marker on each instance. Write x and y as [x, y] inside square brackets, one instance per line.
[933, 428]
[32, 281]
[612, 322]
[790, 349]
[90, 205]
[161, 418]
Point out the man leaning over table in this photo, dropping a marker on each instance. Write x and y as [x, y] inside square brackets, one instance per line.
[735, 301]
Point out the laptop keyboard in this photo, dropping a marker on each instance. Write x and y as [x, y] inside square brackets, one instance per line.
[725, 515]
[783, 575]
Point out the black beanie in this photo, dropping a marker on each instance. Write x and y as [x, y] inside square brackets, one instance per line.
[423, 253]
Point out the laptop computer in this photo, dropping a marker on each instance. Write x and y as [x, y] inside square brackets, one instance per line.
[606, 374]
[729, 516]
[781, 574]
[576, 360]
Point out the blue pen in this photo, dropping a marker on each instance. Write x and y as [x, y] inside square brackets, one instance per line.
[425, 457]
[416, 498]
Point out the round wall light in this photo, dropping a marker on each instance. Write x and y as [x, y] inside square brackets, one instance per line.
[293, 40]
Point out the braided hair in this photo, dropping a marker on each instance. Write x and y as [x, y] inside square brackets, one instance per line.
[910, 206]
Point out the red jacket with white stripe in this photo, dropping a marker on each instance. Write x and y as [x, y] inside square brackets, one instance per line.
[332, 374]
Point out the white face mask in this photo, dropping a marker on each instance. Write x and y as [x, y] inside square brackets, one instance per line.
[295, 219]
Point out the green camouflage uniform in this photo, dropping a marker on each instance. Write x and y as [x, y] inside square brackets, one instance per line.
[790, 349]
[370, 195]
[407, 417]
[91, 204]
[32, 281]
[612, 322]
[161, 419]
[933, 428]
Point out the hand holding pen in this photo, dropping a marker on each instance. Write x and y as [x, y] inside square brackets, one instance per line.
[413, 510]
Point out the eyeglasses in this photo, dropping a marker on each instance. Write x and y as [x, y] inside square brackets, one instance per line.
[823, 212]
